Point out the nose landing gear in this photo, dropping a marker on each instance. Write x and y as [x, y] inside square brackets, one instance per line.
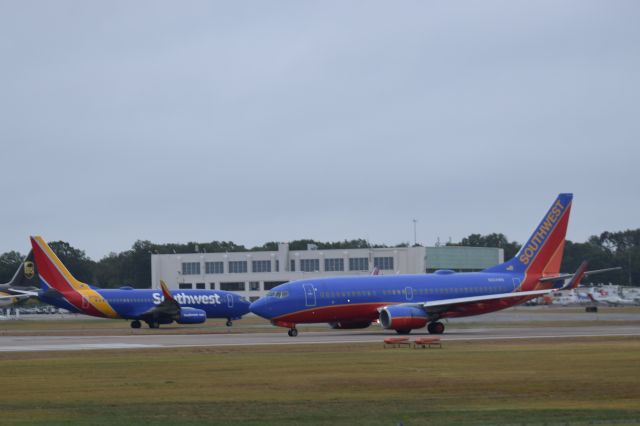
[293, 332]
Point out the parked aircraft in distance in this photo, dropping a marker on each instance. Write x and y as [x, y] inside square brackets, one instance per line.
[574, 297]
[406, 302]
[61, 289]
[604, 296]
[22, 285]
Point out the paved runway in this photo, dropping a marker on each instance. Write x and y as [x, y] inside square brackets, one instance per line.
[65, 343]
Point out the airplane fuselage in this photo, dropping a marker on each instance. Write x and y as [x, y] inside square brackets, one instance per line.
[359, 298]
[132, 303]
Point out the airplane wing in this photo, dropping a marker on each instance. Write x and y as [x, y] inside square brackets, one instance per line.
[27, 293]
[445, 304]
[436, 306]
[168, 308]
[439, 306]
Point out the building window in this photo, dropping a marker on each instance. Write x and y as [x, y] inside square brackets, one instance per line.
[214, 267]
[185, 286]
[232, 286]
[268, 285]
[309, 265]
[254, 285]
[334, 264]
[190, 268]
[237, 267]
[359, 264]
[277, 265]
[293, 265]
[212, 286]
[200, 286]
[261, 266]
[383, 262]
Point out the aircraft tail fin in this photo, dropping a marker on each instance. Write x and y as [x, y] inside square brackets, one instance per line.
[53, 273]
[577, 278]
[26, 276]
[542, 253]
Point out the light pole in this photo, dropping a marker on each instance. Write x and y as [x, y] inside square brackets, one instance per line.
[415, 235]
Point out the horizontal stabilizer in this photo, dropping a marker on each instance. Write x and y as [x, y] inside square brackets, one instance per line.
[26, 293]
[586, 274]
[16, 297]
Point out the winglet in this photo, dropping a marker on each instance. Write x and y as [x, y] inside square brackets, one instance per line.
[165, 291]
[577, 277]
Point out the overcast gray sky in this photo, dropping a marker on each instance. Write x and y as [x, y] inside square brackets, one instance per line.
[257, 121]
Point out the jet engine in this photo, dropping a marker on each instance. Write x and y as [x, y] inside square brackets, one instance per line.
[403, 318]
[346, 325]
[191, 316]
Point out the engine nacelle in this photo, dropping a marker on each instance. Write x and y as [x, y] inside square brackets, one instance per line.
[403, 317]
[349, 325]
[191, 316]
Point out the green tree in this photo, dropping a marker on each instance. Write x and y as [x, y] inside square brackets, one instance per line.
[76, 261]
[491, 240]
[270, 246]
[9, 264]
[609, 249]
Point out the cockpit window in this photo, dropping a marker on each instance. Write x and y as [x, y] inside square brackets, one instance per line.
[278, 294]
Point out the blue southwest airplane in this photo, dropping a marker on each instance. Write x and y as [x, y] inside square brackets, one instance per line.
[406, 302]
[59, 288]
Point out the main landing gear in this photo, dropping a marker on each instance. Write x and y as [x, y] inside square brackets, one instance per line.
[229, 323]
[435, 327]
[293, 332]
[151, 324]
[154, 324]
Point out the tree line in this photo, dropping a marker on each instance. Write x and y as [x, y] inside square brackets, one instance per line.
[133, 267]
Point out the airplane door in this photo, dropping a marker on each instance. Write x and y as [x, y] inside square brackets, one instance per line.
[229, 301]
[408, 292]
[516, 283]
[309, 295]
[85, 303]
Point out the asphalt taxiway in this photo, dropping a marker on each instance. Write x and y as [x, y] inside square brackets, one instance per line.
[66, 343]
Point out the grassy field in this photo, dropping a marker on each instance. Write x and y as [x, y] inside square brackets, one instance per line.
[576, 381]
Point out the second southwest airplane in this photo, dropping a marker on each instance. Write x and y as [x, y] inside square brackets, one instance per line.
[406, 302]
[61, 289]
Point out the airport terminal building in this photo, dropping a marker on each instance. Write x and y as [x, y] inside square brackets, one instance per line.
[253, 273]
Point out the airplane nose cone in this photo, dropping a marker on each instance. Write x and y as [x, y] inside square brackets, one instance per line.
[261, 307]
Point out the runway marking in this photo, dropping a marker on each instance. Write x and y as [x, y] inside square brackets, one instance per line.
[325, 342]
